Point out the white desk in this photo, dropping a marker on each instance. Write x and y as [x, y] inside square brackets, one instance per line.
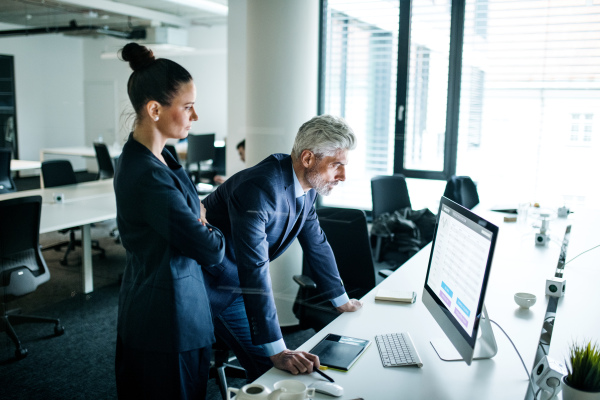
[577, 318]
[84, 204]
[22, 165]
[518, 266]
[81, 151]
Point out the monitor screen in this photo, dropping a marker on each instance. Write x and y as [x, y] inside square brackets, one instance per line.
[200, 147]
[457, 275]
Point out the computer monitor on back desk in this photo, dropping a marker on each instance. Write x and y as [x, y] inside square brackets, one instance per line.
[456, 281]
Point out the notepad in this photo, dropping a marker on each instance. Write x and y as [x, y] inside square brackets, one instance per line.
[339, 352]
[404, 296]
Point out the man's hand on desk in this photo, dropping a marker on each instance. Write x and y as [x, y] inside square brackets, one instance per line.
[296, 362]
[350, 306]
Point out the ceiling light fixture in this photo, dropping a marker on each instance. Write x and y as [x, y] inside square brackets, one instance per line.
[204, 5]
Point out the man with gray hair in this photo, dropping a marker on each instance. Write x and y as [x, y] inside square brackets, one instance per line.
[261, 210]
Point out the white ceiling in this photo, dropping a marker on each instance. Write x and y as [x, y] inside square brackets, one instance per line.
[114, 15]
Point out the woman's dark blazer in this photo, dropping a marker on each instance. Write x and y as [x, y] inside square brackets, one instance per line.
[163, 305]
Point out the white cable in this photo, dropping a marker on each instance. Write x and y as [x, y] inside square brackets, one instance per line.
[581, 254]
[521, 358]
[554, 388]
[549, 398]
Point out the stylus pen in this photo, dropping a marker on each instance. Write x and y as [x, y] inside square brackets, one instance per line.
[324, 375]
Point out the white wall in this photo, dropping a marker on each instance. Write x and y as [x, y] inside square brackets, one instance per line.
[236, 76]
[49, 91]
[208, 68]
[52, 72]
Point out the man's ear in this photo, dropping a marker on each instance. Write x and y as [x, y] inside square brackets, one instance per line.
[308, 158]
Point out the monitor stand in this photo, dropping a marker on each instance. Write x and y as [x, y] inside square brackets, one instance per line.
[485, 345]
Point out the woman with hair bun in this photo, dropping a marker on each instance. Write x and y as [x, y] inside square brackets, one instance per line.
[164, 328]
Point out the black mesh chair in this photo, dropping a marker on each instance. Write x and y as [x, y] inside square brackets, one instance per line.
[462, 190]
[57, 173]
[106, 169]
[7, 185]
[388, 193]
[348, 234]
[22, 267]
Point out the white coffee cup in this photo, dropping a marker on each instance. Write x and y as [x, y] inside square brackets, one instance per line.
[294, 390]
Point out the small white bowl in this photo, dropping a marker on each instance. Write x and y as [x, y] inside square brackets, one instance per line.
[525, 300]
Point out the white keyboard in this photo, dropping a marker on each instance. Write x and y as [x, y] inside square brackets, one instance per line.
[397, 350]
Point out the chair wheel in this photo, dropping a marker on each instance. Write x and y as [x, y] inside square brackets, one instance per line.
[21, 353]
[64, 263]
[59, 330]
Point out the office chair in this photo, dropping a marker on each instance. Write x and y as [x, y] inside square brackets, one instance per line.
[200, 148]
[57, 173]
[388, 193]
[106, 169]
[7, 185]
[22, 267]
[462, 190]
[348, 234]
[173, 152]
[221, 366]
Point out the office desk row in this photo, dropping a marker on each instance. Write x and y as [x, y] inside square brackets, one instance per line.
[519, 266]
[80, 151]
[24, 165]
[83, 204]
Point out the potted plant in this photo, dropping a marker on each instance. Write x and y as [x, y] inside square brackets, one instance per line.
[582, 381]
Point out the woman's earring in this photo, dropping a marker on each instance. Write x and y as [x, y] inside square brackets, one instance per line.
[156, 118]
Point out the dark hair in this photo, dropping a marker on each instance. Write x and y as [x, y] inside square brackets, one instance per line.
[241, 144]
[152, 78]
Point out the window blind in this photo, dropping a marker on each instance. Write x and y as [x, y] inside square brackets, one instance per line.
[530, 100]
[359, 69]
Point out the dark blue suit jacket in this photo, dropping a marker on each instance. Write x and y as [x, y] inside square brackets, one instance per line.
[255, 209]
[163, 305]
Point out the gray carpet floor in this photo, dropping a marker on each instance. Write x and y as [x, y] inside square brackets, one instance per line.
[80, 363]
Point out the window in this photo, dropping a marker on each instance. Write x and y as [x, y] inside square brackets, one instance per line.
[581, 129]
[426, 102]
[505, 91]
[530, 86]
[359, 84]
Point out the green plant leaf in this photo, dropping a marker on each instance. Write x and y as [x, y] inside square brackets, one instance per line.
[583, 369]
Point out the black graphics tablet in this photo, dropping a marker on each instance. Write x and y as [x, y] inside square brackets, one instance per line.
[339, 352]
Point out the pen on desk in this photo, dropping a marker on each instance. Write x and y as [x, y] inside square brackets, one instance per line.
[324, 375]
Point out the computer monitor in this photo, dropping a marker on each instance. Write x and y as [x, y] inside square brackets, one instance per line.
[456, 282]
[200, 148]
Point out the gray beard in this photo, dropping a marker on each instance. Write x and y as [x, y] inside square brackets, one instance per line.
[317, 182]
